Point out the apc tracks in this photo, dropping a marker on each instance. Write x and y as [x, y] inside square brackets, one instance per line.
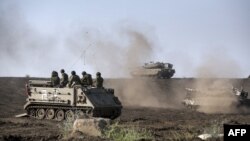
[58, 113]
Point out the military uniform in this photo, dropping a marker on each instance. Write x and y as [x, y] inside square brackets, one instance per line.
[74, 80]
[89, 80]
[65, 79]
[84, 79]
[99, 80]
[55, 80]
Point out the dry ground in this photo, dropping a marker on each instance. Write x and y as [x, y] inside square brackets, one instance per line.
[165, 122]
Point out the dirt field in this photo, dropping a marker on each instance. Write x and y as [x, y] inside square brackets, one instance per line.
[156, 108]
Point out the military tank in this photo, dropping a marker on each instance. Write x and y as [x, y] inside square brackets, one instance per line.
[155, 70]
[45, 101]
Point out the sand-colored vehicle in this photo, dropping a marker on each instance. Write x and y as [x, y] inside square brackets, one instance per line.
[189, 101]
[195, 98]
[156, 70]
[45, 101]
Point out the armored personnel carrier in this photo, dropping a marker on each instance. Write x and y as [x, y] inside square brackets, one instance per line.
[156, 70]
[189, 101]
[195, 98]
[45, 101]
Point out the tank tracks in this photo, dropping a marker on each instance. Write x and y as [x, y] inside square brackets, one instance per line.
[58, 113]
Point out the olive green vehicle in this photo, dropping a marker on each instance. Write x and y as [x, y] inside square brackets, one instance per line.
[45, 101]
[155, 70]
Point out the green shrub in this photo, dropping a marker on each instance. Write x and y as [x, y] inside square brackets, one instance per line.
[181, 136]
[66, 128]
[119, 133]
[215, 128]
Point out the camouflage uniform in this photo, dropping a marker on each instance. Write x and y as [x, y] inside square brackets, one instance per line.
[74, 79]
[55, 80]
[65, 79]
[89, 80]
[99, 80]
[84, 79]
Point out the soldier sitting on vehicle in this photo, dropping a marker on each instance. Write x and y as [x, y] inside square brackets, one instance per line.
[89, 80]
[84, 78]
[64, 79]
[55, 80]
[74, 79]
[99, 80]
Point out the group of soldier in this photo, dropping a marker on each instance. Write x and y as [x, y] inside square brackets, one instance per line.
[74, 79]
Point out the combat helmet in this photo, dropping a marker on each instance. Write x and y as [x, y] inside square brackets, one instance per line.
[98, 74]
[54, 73]
[73, 73]
[62, 71]
[84, 73]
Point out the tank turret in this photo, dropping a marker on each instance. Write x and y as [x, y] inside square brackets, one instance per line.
[157, 70]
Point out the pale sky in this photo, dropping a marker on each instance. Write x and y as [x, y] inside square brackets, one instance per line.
[199, 37]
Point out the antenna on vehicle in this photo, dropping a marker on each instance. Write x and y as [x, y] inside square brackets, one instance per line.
[83, 54]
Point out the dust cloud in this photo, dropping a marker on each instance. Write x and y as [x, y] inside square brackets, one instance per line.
[22, 49]
[116, 54]
[218, 64]
[143, 92]
[215, 95]
[215, 88]
[139, 49]
[148, 92]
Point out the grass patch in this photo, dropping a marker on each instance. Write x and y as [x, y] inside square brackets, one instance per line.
[181, 136]
[119, 133]
[66, 128]
[215, 129]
